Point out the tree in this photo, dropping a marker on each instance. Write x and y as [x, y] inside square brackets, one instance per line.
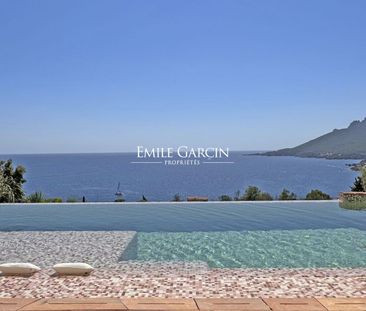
[11, 182]
[364, 177]
[264, 196]
[6, 193]
[357, 185]
[317, 195]
[225, 197]
[253, 193]
[250, 193]
[285, 195]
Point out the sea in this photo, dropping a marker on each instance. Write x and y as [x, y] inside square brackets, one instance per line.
[97, 176]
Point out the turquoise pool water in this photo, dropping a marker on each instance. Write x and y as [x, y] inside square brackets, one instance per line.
[255, 249]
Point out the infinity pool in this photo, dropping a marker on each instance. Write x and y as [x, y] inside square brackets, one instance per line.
[179, 217]
[251, 235]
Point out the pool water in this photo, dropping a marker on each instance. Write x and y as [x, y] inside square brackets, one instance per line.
[181, 217]
[245, 234]
[254, 249]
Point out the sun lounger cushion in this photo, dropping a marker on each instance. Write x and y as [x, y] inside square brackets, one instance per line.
[76, 268]
[18, 268]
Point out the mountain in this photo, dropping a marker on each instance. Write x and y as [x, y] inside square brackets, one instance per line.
[348, 143]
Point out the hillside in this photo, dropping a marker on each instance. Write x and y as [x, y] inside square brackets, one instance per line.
[348, 143]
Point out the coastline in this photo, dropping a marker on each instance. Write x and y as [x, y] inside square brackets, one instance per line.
[55, 178]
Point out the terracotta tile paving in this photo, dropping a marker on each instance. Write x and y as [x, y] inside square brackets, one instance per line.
[299, 304]
[67, 304]
[228, 304]
[14, 304]
[343, 304]
[161, 304]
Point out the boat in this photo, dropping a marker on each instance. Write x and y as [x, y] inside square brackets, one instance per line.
[118, 192]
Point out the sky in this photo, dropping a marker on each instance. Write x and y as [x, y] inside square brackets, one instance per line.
[107, 76]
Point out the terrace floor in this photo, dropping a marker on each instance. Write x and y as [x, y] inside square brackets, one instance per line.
[156, 304]
[134, 279]
[172, 280]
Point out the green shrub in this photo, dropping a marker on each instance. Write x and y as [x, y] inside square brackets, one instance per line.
[72, 200]
[54, 200]
[250, 193]
[264, 196]
[225, 197]
[36, 197]
[253, 193]
[317, 195]
[286, 195]
[119, 200]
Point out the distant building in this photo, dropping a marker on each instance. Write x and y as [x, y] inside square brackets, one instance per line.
[197, 199]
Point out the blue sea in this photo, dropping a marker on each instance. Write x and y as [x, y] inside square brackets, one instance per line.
[96, 176]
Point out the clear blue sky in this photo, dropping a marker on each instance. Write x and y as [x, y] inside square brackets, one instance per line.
[105, 76]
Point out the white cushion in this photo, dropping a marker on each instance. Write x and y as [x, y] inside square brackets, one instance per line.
[75, 268]
[18, 268]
